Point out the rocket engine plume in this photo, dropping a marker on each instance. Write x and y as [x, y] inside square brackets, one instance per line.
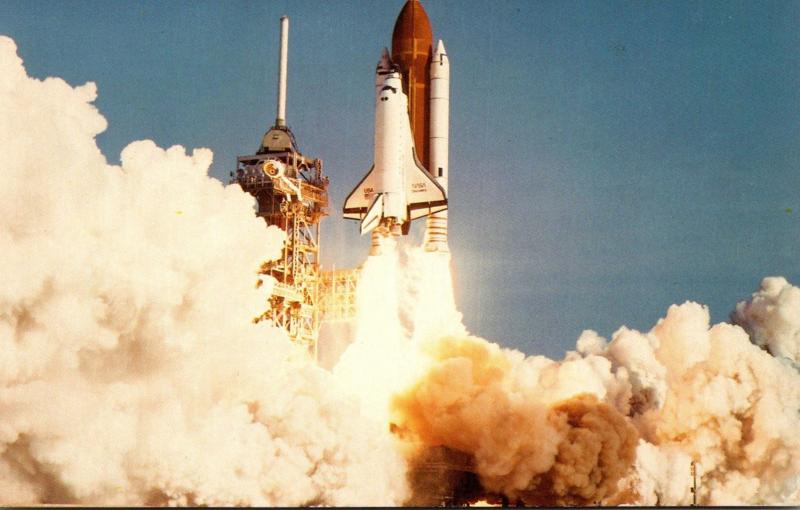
[614, 422]
[570, 453]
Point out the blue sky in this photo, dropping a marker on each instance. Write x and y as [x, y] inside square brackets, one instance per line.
[607, 159]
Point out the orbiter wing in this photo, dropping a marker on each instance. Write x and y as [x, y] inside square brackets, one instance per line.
[359, 200]
[424, 195]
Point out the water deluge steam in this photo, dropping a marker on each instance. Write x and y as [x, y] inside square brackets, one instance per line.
[130, 370]
[131, 373]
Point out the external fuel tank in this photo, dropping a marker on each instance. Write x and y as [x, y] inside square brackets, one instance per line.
[412, 40]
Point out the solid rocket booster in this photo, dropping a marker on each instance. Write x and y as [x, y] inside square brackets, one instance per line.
[436, 228]
[411, 136]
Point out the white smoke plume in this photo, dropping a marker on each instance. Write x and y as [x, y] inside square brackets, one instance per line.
[130, 370]
[688, 390]
[772, 318]
[404, 296]
[706, 393]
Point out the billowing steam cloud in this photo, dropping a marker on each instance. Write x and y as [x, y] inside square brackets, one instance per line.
[481, 400]
[613, 422]
[130, 371]
[708, 394]
[772, 318]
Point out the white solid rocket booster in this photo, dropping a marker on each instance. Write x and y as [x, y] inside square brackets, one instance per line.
[436, 228]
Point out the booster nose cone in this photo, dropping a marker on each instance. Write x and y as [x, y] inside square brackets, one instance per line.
[439, 54]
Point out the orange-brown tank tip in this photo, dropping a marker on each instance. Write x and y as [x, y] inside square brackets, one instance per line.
[412, 39]
[412, 23]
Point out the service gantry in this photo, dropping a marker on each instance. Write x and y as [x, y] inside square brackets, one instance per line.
[338, 294]
[292, 194]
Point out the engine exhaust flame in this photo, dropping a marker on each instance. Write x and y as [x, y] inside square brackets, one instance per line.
[614, 422]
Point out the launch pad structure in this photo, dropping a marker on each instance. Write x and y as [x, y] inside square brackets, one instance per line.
[291, 191]
[338, 294]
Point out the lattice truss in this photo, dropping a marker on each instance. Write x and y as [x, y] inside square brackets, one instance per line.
[291, 193]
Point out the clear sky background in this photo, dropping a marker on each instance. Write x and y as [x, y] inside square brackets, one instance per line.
[607, 159]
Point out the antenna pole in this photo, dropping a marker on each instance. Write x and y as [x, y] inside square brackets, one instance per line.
[280, 118]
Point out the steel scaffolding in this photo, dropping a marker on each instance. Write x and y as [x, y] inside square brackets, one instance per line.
[338, 294]
[292, 194]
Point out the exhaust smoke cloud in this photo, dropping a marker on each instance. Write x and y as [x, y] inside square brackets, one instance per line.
[614, 422]
[621, 421]
[131, 373]
[772, 318]
[474, 399]
[130, 370]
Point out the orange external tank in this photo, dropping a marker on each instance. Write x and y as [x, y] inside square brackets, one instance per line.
[412, 40]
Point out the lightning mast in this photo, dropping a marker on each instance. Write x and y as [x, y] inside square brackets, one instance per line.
[292, 194]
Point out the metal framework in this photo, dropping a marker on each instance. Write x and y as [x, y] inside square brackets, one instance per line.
[338, 294]
[292, 194]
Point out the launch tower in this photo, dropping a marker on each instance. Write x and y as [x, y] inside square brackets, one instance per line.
[292, 194]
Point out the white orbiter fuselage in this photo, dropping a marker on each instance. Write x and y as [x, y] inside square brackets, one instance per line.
[398, 188]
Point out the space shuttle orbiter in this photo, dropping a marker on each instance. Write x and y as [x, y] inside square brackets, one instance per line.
[408, 179]
[398, 188]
